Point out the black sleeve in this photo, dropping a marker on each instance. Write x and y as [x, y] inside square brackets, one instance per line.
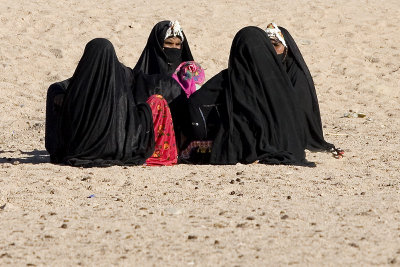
[155, 84]
[207, 108]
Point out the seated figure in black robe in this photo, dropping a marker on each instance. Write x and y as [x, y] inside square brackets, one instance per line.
[263, 107]
[99, 122]
[167, 47]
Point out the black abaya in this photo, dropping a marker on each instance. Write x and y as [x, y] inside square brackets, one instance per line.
[263, 119]
[153, 72]
[156, 84]
[101, 124]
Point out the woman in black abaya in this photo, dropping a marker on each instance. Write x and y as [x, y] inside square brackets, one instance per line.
[268, 106]
[166, 48]
[304, 89]
[100, 122]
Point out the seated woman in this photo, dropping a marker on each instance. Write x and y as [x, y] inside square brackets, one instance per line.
[100, 123]
[268, 106]
[303, 84]
[166, 48]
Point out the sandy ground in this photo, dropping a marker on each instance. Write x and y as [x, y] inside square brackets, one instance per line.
[343, 212]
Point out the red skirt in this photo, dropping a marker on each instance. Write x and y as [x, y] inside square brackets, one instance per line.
[165, 151]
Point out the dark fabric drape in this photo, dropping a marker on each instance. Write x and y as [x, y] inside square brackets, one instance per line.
[262, 122]
[207, 108]
[198, 117]
[262, 119]
[154, 72]
[101, 124]
[147, 85]
[306, 96]
[286, 94]
[53, 116]
[153, 59]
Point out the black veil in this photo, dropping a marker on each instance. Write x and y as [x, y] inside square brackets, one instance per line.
[153, 59]
[152, 72]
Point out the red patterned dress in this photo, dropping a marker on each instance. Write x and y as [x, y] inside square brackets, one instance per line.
[165, 151]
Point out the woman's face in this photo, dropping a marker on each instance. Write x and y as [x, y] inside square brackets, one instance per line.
[173, 42]
[279, 48]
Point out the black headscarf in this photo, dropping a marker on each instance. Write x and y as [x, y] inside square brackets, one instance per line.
[101, 123]
[261, 119]
[153, 59]
[153, 72]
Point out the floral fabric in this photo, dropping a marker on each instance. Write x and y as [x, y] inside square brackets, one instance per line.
[165, 151]
[190, 75]
[201, 146]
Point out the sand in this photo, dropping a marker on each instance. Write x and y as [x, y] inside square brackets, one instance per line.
[343, 212]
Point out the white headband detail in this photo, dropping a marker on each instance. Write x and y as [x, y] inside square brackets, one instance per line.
[274, 32]
[174, 30]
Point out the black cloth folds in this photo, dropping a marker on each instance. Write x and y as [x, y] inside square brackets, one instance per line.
[156, 84]
[207, 108]
[306, 96]
[53, 116]
[153, 73]
[101, 124]
[153, 59]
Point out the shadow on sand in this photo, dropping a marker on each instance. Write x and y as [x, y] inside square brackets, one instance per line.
[27, 157]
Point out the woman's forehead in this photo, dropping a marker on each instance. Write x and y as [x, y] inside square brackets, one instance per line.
[173, 39]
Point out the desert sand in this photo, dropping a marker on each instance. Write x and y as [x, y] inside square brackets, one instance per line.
[343, 212]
